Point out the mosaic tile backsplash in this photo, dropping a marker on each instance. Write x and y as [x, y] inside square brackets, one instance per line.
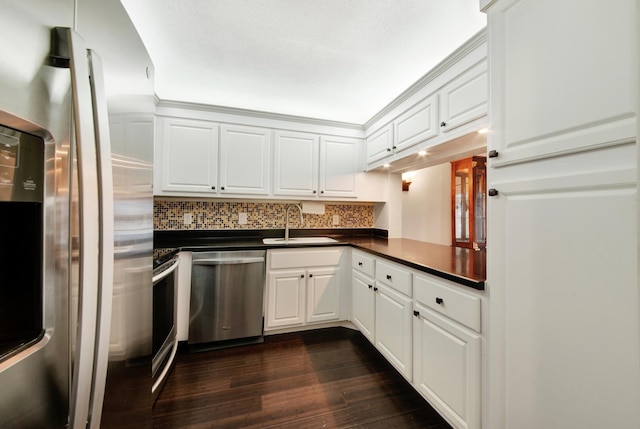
[169, 215]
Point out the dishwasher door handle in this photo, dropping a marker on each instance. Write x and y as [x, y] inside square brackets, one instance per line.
[227, 261]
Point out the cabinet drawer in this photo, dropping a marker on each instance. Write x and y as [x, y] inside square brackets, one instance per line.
[394, 275]
[304, 258]
[364, 263]
[459, 306]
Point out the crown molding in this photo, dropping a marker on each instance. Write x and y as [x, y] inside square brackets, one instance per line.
[486, 4]
[473, 43]
[256, 114]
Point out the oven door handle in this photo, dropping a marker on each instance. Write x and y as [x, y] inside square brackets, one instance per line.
[223, 261]
[166, 272]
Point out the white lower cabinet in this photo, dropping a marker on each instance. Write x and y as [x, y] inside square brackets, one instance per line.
[393, 328]
[381, 308]
[285, 298]
[428, 328]
[447, 367]
[304, 286]
[363, 304]
[323, 295]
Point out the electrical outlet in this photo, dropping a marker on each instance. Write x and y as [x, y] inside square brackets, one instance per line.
[242, 218]
[336, 219]
[187, 219]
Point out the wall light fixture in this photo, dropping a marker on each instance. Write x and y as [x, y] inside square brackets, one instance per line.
[407, 179]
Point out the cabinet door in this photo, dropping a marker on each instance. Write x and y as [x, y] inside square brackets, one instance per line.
[245, 158]
[416, 125]
[465, 98]
[338, 166]
[323, 295]
[295, 169]
[380, 144]
[393, 328]
[363, 301]
[189, 156]
[564, 90]
[556, 325]
[563, 260]
[447, 367]
[285, 298]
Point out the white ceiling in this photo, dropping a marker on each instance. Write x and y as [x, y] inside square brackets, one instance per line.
[341, 60]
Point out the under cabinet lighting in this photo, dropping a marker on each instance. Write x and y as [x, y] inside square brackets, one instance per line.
[483, 130]
[387, 165]
[422, 153]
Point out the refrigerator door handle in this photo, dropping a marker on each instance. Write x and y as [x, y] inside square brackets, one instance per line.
[89, 240]
[106, 229]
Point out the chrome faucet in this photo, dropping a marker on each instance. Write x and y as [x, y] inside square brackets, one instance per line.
[286, 227]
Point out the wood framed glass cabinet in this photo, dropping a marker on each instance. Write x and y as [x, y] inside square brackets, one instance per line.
[469, 202]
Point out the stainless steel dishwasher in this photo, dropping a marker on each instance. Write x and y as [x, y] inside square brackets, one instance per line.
[226, 297]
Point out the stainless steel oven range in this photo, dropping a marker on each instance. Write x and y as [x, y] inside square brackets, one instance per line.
[165, 342]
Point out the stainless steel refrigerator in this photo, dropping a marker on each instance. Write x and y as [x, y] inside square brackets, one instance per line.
[76, 227]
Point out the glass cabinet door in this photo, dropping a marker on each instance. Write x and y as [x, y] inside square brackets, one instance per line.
[480, 204]
[460, 188]
[468, 199]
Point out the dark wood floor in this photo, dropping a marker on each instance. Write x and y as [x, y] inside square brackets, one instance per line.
[330, 378]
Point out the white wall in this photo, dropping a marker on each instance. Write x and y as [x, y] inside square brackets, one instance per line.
[389, 215]
[426, 207]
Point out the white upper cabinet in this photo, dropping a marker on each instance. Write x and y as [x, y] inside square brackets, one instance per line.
[450, 102]
[380, 144]
[338, 166]
[244, 160]
[187, 156]
[565, 90]
[416, 125]
[194, 157]
[295, 167]
[313, 166]
[465, 98]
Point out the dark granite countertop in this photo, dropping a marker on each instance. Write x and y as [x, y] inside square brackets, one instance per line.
[463, 266]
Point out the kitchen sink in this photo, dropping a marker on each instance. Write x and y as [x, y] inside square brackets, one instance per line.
[299, 240]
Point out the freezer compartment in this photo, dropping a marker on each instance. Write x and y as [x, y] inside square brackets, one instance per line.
[226, 296]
